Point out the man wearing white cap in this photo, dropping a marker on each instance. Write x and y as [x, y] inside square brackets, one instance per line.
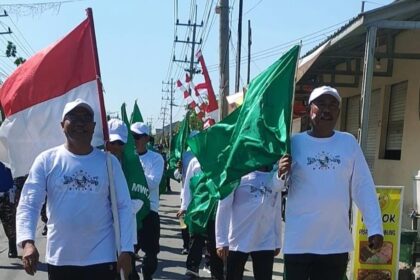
[327, 170]
[152, 163]
[118, 134]
[81, 239]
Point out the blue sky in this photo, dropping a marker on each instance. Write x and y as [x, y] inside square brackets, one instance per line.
[135, 39]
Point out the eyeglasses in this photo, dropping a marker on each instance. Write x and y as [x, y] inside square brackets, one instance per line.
[138, 136]
[330, 106]
[79, 118]
[117, 142]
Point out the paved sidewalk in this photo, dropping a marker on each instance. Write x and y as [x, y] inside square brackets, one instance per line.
[171, 262]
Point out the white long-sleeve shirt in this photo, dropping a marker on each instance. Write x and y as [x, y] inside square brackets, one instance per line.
[324, 173]
[152, 164]
[80, 223]
[194, 168]
[249, 219]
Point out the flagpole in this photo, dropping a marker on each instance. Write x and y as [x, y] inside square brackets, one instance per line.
[116, 223]
[98, 75]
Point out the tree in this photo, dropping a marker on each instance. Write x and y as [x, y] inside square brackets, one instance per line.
[11, 52]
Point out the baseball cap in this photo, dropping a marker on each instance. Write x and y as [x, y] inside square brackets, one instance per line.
[76, 103]
[324, 90]
[117, 130]
[140, 128]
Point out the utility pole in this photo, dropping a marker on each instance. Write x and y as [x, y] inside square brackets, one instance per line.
[9, 31]
[171, 104]
[163, 123]
[191, 70]
[149, 122]
[223, 10]
[249, 51]
[238, 48]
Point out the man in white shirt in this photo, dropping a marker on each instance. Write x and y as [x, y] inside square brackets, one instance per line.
[327, 170]
[248, 223]
[81, 239]
[152, 163]
[198, 241]
[179, 174]
[118, 136]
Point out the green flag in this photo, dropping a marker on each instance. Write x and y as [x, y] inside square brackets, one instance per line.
[253, 136]
[136, 114]
[203, 206]
[259, 136]
[134, 173]
[179, 143]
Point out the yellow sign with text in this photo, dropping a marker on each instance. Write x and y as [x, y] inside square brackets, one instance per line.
[381, 264]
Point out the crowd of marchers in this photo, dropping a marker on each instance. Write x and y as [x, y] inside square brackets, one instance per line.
[325, 172]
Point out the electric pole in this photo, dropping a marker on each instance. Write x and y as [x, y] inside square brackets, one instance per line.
[171, 104]
[223, 11]
[163, 112]
[149, 122]
[238, 48]
[192, 70]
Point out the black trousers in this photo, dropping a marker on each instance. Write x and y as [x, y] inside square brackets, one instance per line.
[103, 271]
[195, 255]
[262, 264]
[8, 217]
[185, 238]
[315, 267]
[148, 241]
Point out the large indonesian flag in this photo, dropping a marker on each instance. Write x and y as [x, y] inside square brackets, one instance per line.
[33, 97]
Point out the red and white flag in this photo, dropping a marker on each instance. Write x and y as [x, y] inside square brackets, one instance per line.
[188, 98]
[198, 98]
[33, 97]
[212, 108]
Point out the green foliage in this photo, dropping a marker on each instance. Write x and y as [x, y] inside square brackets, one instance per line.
[10, 49]
[195, 122]
[18, 61]
[11, 52]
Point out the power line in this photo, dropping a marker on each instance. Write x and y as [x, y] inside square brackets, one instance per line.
[24, 39]
[275, 50]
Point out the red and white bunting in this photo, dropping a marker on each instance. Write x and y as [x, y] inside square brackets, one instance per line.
[190, 101]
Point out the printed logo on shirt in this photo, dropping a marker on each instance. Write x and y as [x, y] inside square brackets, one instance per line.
[324, 161]
[260, 191]
[81, 181]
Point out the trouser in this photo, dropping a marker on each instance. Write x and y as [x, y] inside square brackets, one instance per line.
[185, 238]
[262, 264]
[44, 217]
[103, 271]
[148, 241]
[19, 182]
[195, 254]
[8, 217]
[315, 267]
[133, 275]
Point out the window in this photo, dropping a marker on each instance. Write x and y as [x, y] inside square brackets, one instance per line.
[352, 123]
[395, 124]
[352, 115]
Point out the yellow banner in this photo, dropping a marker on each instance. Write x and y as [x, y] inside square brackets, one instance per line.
[381, 264]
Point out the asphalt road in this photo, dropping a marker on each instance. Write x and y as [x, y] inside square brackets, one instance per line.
[171, 262]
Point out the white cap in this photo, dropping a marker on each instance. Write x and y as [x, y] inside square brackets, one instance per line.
[324, 90]
[140, 128]
[76, 103]
[117, 130]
